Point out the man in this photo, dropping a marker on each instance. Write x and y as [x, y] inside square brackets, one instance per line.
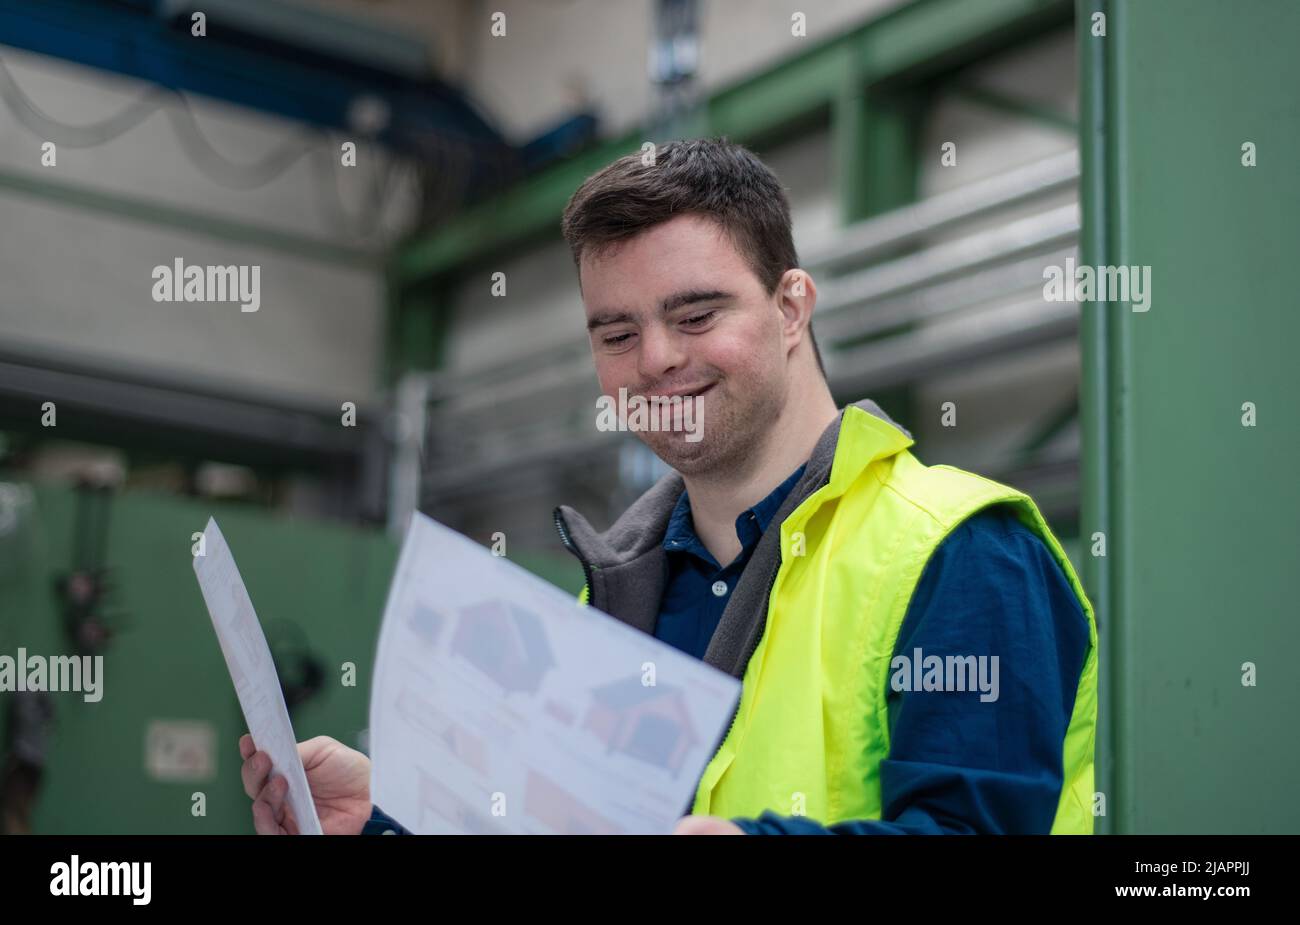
[865, 600]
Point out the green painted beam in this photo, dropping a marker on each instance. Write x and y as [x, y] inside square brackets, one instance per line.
[789, 92]
[1199, 507]
[914, 41]
[1048, 429]
[1025, 109]
[852, 123]
[1095, 399]
[531, 208]
[877, 164]
[416, 331]
[930, 36]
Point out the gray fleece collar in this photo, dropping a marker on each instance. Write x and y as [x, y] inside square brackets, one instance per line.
[627, 567]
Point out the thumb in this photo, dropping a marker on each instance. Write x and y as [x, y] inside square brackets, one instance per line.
[706, 825]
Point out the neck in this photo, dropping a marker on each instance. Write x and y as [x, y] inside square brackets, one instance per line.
[717, 499]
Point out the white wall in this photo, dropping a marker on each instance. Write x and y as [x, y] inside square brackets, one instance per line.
[804, 166]
[78, 280]
[542, 308]
[527, 78]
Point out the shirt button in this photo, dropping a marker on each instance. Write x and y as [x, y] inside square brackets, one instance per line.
[719, 588]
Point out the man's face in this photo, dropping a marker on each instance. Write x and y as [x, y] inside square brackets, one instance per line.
[676, 311]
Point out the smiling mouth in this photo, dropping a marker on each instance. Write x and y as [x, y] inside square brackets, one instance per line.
[695, 393]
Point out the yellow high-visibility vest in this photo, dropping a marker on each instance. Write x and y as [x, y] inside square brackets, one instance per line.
[812, 728]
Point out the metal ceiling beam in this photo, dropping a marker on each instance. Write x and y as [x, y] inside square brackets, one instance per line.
[99, 404]
[911, 43]
[900, 228]
[152, 41]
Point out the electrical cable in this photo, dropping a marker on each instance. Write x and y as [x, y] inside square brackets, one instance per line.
[200, 151]
[452, 159]
[76, 136]
[220, 169]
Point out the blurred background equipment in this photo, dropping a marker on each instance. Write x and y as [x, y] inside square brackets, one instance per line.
[84, 589]
[28, 721]
[396, 169]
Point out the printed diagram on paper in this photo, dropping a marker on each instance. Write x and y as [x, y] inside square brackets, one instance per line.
[501, 705]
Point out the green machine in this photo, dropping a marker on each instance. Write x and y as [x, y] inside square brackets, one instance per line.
[167, 723]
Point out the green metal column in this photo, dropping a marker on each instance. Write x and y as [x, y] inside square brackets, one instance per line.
[1198, 510]
[875, 136]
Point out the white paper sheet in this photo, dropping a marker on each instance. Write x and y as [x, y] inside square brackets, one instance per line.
[501, 705]
[248, 659]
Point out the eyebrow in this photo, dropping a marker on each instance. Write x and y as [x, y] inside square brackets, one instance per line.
[670, 303]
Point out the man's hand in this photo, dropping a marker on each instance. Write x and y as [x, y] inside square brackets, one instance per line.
[338, 777]
[706, 825]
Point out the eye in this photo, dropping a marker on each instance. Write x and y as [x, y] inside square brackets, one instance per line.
[615, 341]
[697, 320]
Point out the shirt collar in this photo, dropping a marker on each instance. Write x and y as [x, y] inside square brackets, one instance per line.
[680, 535]
[766, 509]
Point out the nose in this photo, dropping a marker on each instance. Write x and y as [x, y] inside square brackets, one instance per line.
[660, 353]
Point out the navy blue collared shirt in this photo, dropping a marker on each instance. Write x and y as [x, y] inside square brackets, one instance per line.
[698, 587]
[956, 764]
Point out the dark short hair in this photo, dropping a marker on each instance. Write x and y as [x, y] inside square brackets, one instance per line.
[714, 178]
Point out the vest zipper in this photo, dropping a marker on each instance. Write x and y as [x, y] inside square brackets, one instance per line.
[735, 711]
[752, 649]
[563, 530]
[767, 600]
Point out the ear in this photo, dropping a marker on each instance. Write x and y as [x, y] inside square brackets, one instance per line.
[796, 298]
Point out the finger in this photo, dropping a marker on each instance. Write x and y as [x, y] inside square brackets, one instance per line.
[246, 746]
[288, 823]
[281, 805]
[253, 773]
[705, 825]
[273, 795]
[263, 821]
